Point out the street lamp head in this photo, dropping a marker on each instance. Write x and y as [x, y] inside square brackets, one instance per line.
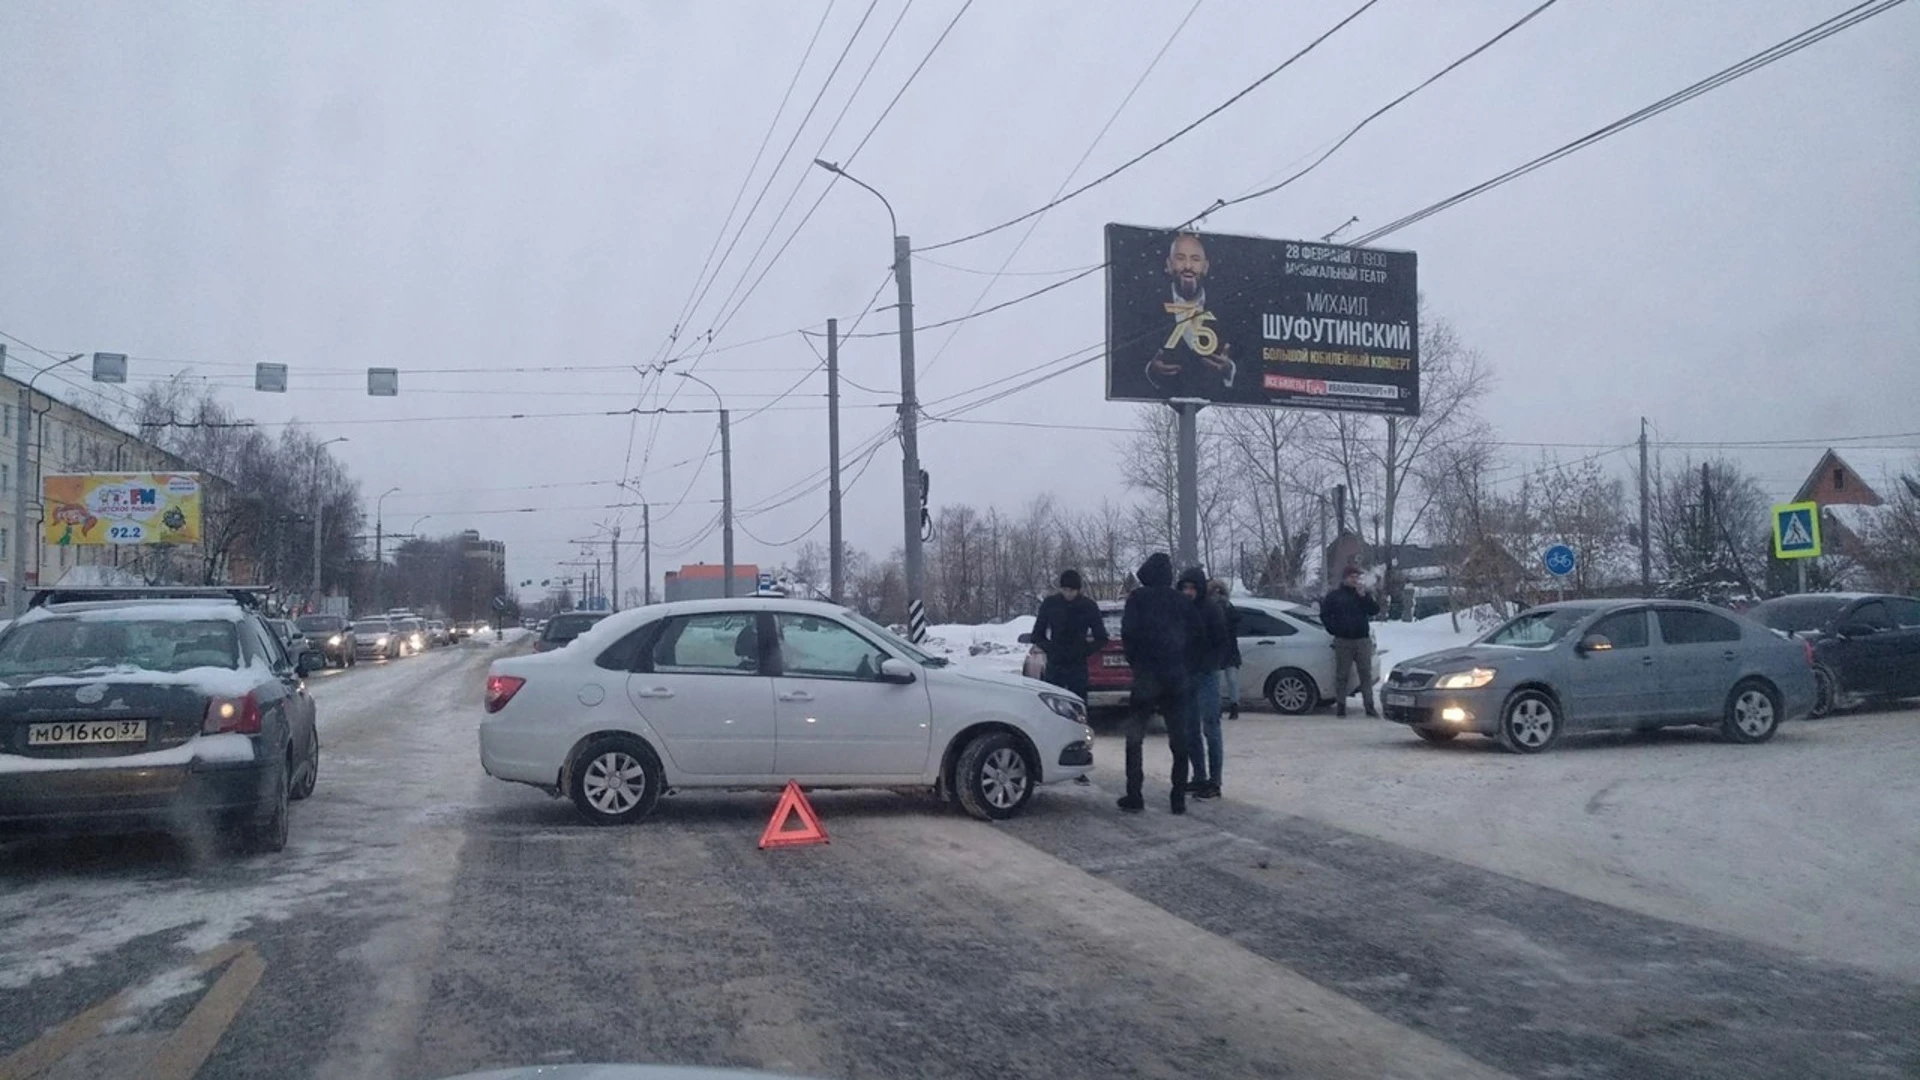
[827, 165]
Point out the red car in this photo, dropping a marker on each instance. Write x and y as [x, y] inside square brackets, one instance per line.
[1109, 679]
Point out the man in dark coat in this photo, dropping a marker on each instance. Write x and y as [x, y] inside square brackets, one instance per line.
[1346, 612]
[1068, 629]
[1207, 653]
[1156, 630]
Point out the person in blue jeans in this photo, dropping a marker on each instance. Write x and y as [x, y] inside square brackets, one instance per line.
[1206, 653]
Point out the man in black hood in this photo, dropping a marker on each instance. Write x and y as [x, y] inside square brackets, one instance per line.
[1156, 630]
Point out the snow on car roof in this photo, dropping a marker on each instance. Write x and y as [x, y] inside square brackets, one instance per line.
[139, 611]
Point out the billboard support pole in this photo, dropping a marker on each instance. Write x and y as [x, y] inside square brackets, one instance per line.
[1187, 456]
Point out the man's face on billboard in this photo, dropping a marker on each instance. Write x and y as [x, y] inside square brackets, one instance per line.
[1187, 266]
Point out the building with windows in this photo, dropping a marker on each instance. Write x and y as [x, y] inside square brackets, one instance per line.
[63, 438]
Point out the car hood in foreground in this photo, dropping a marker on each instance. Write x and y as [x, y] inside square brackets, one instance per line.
[1466, 656]
[1004, 679]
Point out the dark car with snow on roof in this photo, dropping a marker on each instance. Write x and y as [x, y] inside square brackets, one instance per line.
[176, 710]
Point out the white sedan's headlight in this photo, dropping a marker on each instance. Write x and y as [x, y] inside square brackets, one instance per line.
[1465, 680]
[1068, 707]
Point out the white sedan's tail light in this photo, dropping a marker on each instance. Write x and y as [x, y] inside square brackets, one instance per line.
[500, 690]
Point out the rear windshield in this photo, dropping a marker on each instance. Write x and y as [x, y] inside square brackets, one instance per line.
[568, 627]
[65, 646]
[371, 626]
[1798, 614]
[321, 623]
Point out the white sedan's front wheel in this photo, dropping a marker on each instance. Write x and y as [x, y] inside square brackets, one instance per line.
[615, 780]
[993, 777]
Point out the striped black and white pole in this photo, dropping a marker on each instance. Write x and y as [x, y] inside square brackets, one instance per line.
[916, 622]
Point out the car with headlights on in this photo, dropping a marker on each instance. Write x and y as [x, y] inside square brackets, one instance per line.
[1591, 665]
[134, 709]
[329, 637]
[376, 638]
[755, 692]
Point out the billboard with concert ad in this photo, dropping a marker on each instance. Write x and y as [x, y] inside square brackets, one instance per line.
[1242, 320]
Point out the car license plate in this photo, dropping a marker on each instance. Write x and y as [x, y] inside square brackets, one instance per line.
[77, 732]
[1112, 660]
[1399, 701]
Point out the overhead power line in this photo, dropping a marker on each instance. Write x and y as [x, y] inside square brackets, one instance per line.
[1162, 144]
[1818, 32]
[1383, 110]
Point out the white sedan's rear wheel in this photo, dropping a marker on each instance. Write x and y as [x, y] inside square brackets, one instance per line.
[615, 780]
[1292, 691]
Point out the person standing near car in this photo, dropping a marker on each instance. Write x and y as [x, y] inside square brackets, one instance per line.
[1230, 669]
[1156, 630]
[1068, 629]
[1346, 612]
[1206, 654]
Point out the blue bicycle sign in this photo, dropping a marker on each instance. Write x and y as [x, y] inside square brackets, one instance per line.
[1558, 560]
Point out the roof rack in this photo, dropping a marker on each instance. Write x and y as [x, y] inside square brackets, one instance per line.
[246, 597]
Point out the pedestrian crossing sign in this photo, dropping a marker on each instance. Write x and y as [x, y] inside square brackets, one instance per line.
[1796, 531]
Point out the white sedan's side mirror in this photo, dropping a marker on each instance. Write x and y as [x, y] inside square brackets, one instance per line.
[895, 670]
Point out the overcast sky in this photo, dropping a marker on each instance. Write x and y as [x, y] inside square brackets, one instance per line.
[537, 185]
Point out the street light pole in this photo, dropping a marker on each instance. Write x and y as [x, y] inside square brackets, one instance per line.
[379, 538]
[912, 490]
[726, 487]
[319, 512]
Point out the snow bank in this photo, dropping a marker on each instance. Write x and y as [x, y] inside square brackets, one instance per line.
[1401, 641]
[990, 646]
[210, 748]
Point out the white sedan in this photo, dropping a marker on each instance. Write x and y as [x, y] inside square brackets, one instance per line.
[1286, 656]
[754, 692]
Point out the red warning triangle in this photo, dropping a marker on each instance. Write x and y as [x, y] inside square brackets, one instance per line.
[778, 835]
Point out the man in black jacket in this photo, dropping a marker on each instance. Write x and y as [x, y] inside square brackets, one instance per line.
[1206, 655]
[1068, 629]
[1156, 630]
[1345, 613]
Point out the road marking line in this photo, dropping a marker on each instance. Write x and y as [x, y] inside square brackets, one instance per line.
[188, 1048]
[55, 1045]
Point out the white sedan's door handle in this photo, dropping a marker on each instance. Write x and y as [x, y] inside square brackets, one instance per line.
[796, 695]
[654, 692]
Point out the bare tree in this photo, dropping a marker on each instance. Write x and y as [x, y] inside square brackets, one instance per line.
[1383, 460]
[1710, 530]
[1282, 479]
[1580, 505]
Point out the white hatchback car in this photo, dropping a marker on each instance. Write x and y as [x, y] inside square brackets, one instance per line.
[754, 692]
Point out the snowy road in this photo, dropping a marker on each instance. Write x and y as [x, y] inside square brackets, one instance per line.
[1355, 907]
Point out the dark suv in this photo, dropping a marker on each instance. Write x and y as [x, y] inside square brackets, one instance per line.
[1865, 645]
[165, 709]
[329, 637]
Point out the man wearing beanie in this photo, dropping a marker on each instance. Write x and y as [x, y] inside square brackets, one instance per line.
[1068, 630]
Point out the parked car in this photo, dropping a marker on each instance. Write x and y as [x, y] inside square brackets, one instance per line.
[329, 637]
[1865, 645]
[754, 692]
[172, 709]
[374, 638]
[1587, 665]
[564, 627]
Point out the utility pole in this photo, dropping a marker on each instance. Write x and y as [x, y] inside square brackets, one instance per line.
[646, 553]
[910, 488]
[726, 504]
[616, 568]
[1646, 542]
[836, 568]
